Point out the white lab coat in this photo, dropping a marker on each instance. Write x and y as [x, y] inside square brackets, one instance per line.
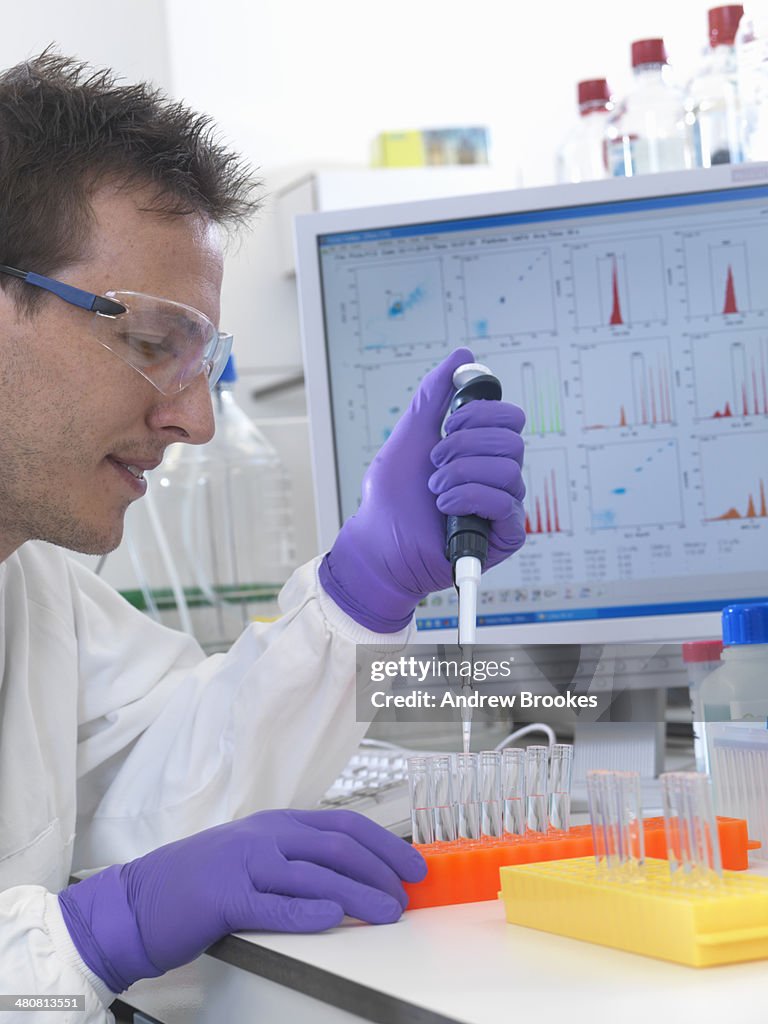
[118, 735]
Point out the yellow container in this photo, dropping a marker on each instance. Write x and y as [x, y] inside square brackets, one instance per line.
[399, 149]
[652, 915]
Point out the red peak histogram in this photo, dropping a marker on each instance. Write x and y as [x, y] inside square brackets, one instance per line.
[721, 271]
[640, 394]
[618, 283]
[616, 317]
[731, 374]
[730, 305]
[546, 520]
[546, 499]
[754, 509]
[734, 478]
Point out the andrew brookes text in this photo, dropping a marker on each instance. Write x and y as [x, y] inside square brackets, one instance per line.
[475, 699]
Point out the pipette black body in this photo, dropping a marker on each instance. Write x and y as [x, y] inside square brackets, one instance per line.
[468, 535]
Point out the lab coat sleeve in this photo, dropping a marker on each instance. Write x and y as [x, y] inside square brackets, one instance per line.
[172, 742]
[37, 957]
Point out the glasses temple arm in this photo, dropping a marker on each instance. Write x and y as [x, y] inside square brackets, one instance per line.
[67, 292]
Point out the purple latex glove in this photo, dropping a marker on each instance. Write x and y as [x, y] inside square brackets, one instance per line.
[288, 871]
[391, 553]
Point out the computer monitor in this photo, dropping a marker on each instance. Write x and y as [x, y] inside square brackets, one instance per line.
[629, 318]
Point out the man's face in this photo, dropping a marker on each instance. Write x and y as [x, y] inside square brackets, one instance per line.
[71, 411]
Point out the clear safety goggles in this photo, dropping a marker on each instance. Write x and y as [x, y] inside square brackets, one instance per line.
[167, 342]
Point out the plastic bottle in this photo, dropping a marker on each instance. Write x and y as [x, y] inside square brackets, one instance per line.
[735, 703]
[649, 131]
[712, 98]
[582, 156]
[738, 691]
[701, 658]
[752, 75]
[223, 513]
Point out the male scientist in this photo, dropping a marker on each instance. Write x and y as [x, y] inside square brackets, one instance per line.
[120, 743]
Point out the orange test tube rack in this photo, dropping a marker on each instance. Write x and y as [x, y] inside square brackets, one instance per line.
[468, 871]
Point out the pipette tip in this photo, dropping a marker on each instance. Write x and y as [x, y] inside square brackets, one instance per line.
[466, 734]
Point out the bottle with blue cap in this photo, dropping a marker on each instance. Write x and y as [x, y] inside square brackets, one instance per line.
[736, 693]
[224, 513]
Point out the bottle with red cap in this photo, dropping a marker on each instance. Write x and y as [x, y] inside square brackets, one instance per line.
[649, 132]
[713, 99]
[701, 658]
[752, 75]
[582, 155]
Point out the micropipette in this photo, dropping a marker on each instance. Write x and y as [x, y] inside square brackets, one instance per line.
[466, 537]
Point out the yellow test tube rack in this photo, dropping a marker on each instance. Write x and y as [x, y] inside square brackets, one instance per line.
[650, 914]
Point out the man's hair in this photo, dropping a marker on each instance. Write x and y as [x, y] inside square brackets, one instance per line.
[66, 128]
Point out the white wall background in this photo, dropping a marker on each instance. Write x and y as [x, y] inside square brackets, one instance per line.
[127, 35]
[300, 84]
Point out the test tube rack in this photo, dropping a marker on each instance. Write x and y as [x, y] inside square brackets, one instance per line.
[465, 871]
[651, 915]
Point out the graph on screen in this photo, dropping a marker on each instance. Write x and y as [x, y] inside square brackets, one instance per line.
[401, 304]
[723, 271]
[618, 283]
[547, 499]
[636, 485]
[384, 394]
[641, 384]
[731, 374]
[532, 378]
[734, 471]
[508, 293]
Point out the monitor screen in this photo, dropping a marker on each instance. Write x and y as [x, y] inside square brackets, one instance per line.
[629, 319]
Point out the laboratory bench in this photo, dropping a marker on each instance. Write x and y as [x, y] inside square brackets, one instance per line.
[440, 965]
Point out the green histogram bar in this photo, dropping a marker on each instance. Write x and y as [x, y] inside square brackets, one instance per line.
[544, 416]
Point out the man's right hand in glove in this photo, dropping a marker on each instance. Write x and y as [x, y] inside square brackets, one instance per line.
[288, 871]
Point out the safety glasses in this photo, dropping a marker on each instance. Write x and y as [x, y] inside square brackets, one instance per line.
[168, 343]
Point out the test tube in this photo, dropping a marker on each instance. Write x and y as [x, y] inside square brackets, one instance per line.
[513, 790]
[422, 824]
[599, 799]
[560, 765]
[615, 813]
[537, 817]
[490, 794]
[441, 798]
[693, 843]
[632, 832]
[467, 796]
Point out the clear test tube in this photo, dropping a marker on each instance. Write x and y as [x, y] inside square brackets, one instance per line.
[706, 835]
[467, 796]
[631, 830]
[536, 783]
[676, 826]
[598, 796]
[422, 821]
[491, 825]
[693, 843]
[513, 790]
[442, 798]
[560, 767]
[615, 812]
